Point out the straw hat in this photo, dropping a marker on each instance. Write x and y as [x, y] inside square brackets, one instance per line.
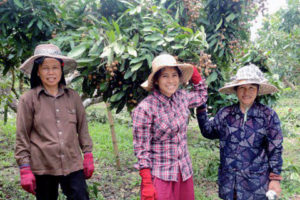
[249, 74]
[48, 50]
[166, 60]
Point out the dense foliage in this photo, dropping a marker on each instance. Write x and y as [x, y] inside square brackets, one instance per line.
[114, 41]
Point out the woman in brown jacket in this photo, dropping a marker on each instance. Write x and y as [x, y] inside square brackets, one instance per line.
[52, 132]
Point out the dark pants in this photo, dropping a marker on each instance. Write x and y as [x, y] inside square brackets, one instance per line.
[72, 185]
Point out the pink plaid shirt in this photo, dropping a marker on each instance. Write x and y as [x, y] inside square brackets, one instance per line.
[159, 132]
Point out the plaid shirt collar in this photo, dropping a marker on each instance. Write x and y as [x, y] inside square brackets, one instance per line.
[163, 98]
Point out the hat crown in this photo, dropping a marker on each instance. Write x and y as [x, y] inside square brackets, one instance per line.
[163, 60]
[250, 72]
[47, 49]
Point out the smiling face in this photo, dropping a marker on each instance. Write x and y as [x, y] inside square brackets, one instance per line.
[50, 73]
[168, 81]
[246, 94]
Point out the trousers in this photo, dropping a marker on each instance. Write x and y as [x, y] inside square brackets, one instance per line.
[73, 186]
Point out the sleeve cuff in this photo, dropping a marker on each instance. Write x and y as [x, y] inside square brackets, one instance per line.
[275, 177]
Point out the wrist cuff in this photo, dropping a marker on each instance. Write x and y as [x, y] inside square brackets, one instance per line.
[275, 177]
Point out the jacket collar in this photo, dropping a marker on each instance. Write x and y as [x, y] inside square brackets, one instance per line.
[237, 110]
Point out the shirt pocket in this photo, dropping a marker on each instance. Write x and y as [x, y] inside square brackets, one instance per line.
[72, 116]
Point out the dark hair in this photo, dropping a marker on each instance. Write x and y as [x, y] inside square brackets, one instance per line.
[158, 73]
[257, 86]
[35, 79]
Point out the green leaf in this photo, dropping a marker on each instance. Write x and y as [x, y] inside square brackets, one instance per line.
[111, 36]
[128, 74]
[93, 18]
[177, 46]
[117, 28]
[117, 96]
[212, 77]
[118, 48]
[77, 51]
[132, 51]
[95, 48]
[221, 53]
[31, 23]
[135, 40]
[18, 3]
[40, 24]
[106, 52]
[219, 25]
[187, 29]
[136, 66]
[137, 59]
[213, 42]
[230, 17]
[85, 60]
[153, 37]
[169, 39]
[103, 86]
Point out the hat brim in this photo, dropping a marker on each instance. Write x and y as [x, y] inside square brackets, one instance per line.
[264, 88]
[69, 63]
[186, 70]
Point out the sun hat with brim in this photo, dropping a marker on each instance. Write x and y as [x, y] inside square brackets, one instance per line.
[167, 60]
[249, 74]
[51, 51]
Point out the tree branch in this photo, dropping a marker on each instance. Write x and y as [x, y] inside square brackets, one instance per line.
[72, 76]
[90, 101]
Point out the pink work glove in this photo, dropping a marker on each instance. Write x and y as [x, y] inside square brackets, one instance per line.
[88, 165]
[196, 77]
[148, 191]
[27, 180]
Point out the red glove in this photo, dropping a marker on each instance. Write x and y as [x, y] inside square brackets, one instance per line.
[27, 180]
[88, 165]
[196, 77]
[148, 191]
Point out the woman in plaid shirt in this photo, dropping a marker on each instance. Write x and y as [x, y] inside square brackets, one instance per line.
[159, 130]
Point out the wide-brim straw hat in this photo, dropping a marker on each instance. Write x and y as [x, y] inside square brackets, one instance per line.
[167, 60]
[249, 74]
[51, 51]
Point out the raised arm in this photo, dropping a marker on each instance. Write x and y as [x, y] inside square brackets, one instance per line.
[209, 128]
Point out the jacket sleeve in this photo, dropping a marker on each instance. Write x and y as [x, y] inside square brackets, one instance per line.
[84, 138]
[198, 95]
[142, 125]
[24, 125]
[275, 139]
[209, 128]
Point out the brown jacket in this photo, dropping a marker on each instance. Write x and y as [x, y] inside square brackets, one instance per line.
[51, 131]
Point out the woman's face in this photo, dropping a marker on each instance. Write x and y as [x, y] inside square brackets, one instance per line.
[246, 94]
[168, 81]
[50, 73]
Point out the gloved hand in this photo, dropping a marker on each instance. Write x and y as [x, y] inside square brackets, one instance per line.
[88, 165]
[148, 191]
[27, 180]
[196, 77]
[275, 186]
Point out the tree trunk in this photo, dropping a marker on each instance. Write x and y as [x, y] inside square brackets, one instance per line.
[113, 135]
[5, 113]
[289, 84]
[21, 83]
